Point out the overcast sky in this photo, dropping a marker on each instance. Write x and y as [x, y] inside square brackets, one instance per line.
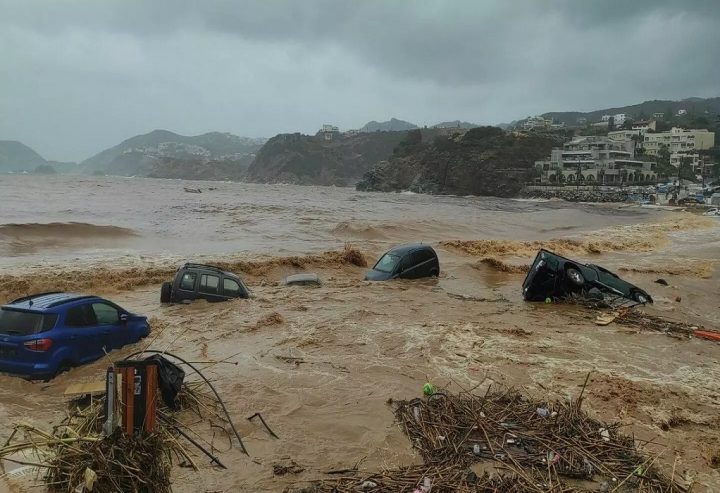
[77, 76]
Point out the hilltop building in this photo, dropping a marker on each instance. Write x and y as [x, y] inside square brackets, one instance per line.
[596, 160]
[644, 126]
[618, 119]
[678, 140]
[537, 122]
[329, 131]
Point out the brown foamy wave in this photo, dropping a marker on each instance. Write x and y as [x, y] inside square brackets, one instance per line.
[500, 266]
[491, 249]
[362, 230]
[24, 238]
[103, 280]
[635, 238]
[63, 230]
[694, 268]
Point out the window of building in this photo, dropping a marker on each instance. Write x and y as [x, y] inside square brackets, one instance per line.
[209, 284]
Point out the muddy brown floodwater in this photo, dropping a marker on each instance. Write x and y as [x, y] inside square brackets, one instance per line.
[321, 363]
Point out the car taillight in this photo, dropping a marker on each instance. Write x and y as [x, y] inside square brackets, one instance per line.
[39, 344]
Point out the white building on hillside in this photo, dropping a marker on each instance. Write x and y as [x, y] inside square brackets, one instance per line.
[618, 118]
[678, 140]
[596, 160]
[537, 122]
[644, 125]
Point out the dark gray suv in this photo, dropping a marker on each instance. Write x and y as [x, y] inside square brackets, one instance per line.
[198, 281]
[406, 262]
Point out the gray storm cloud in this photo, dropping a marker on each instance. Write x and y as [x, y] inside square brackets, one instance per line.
[78, 76]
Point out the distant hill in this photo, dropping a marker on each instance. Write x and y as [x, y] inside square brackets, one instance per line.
[393, 125]
[312, 160]
[150, 153]
[455, 124]
[696, 106]
[16, 156]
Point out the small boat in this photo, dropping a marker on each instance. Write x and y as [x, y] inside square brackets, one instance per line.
[192, 190]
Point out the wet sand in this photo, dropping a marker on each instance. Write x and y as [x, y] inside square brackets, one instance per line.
[321, 363]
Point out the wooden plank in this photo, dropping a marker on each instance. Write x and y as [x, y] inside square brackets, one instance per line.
[85, 388]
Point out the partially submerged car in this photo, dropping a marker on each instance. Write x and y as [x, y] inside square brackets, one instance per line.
[44, 334]
[412, 261]
[303, 279]
[200, 281]
[553, 276]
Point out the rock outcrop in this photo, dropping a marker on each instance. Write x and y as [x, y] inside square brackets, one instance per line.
[479, 161]
[338, 159]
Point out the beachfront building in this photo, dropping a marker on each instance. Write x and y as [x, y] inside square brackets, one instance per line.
[678, 140]
[596, 160]
[623, 134]
[699, 164]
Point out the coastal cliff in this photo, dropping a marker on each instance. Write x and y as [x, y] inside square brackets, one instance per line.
[332, 159]
[479, 161]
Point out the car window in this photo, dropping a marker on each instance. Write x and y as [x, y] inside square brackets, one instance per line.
[80, 316]
[407, 262]
[387, 263]
[421, 256]
[230, 287]
[209, 284]
[188, 281]
[426, 255]
[106, 314]
[16, 322]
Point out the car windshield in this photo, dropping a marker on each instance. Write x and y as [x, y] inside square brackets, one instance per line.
[387, 263]
[15, 322]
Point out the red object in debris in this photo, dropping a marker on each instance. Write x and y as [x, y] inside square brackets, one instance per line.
[704, 334]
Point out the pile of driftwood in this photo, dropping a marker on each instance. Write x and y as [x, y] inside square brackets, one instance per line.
[76, 457]
[531, 446]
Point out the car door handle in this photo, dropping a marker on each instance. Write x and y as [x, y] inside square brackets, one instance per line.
[73, 337]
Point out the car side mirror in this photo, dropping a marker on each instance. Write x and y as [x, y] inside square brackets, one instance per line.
[124, 318]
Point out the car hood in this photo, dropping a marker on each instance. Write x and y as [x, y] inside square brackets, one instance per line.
[376, 275]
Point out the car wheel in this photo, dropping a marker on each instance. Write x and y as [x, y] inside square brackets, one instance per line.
[640, 298]
[575, 276]
[166, 292]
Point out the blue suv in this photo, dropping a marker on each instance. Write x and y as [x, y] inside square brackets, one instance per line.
[45, 334]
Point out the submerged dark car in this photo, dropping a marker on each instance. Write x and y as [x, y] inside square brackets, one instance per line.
[199, 281]
[412, 261]
[553, 276]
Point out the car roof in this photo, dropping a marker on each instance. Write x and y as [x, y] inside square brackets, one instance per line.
[191, 265]
[46, 301]
[410, 247]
